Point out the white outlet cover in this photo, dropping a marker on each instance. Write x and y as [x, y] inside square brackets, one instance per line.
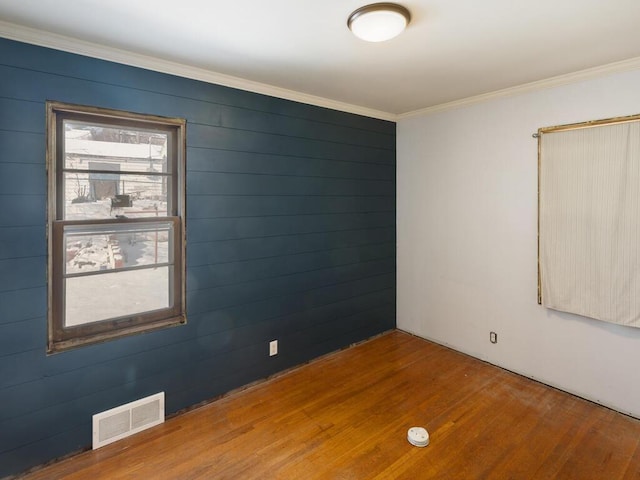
[418, 436]
[273, 348]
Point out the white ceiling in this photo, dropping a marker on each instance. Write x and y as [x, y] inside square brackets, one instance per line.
[453, 49]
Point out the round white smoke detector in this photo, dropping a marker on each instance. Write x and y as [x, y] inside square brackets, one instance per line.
[418, 436]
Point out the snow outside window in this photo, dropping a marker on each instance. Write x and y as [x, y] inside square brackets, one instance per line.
[116, 224]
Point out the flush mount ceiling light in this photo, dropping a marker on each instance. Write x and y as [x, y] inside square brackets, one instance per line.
[379, 22]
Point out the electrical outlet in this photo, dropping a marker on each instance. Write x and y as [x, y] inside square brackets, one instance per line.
[493, 337]
[273, 348]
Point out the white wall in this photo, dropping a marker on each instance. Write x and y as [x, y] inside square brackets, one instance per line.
[467, 248]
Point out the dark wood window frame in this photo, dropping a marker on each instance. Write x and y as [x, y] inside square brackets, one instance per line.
[60, 336]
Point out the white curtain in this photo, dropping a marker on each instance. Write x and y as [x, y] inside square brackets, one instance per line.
[590, 222]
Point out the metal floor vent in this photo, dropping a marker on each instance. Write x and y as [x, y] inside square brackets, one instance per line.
[125, 420]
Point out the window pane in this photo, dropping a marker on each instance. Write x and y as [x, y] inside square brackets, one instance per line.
[108, 247]
[115, 202]
[124, 149]
[104, 195]
[101, 297]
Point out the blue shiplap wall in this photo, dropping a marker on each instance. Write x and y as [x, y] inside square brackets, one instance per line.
[290, 235]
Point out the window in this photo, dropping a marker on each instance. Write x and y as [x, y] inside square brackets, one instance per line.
[115, 224]
[589, 219]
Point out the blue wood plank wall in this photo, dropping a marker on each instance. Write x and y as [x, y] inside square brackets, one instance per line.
[290, 236]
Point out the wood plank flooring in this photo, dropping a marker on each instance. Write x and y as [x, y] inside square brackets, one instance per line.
[346, 416]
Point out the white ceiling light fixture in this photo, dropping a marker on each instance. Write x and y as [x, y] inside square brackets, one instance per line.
[379, 21]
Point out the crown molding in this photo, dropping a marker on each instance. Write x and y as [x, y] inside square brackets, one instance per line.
[574, 77]
[60, 42]
[71, 45]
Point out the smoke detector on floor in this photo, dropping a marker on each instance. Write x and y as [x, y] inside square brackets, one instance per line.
[418, 436]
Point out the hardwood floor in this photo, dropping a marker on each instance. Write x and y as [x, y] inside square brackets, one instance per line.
[346, 416]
